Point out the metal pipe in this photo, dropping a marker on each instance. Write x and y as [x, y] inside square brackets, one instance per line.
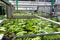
[34, 35]
[48, 20]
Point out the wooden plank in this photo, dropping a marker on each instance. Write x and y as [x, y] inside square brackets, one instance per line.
[34, 5]
[24, 17]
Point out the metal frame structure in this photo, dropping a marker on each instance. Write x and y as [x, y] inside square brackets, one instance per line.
[9, 7]
[6, 2]
[38, 5]
[35, 35]
[9, 10]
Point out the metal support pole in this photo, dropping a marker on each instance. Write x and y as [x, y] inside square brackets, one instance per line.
[9, 11]
[17, 4]
[52, 8]
[52, 11]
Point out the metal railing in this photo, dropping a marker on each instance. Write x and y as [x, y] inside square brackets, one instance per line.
[35, 35]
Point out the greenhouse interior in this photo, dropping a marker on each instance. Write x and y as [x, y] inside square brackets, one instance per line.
[29, 19]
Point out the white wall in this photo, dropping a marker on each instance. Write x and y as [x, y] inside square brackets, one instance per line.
[57, 1]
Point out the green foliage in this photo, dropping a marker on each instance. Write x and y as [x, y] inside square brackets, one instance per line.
[30, 26]
[1, 17]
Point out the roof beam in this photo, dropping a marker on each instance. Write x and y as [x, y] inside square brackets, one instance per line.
[6, 2]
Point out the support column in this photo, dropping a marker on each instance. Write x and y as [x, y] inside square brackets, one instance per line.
[17, 4]
[13, 8]
[9, 11]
